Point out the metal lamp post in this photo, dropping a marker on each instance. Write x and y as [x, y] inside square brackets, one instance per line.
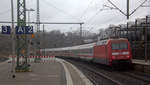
[13, 40]
[29, 40]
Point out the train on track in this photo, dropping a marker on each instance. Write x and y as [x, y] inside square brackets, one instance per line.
[110, 52]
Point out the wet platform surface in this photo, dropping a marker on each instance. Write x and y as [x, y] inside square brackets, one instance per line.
[51, 72]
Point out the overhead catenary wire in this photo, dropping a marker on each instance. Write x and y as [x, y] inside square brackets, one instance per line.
[60, 10]
[105, 7]
[91, 18]
[84, 12]
[138, 7]
[100, 26]
[139, 1]
[94, 15]
[115, 7]
[7, 11]
[126, 14]
[4, 12]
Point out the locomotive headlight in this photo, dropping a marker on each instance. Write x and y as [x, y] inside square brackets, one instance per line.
[115, 53]
[125, 53]
[128, 56]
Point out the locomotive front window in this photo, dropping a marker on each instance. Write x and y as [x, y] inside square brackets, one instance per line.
[119, 46]
[115, 46]
[123, 46]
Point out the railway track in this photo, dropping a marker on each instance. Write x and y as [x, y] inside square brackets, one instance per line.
[95, 77]
[94, 71]
[138, 76]
[98, 74]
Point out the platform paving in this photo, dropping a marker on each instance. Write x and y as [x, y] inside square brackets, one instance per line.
[42, 74]
[142, 62]
[54, 72]
[141, 65]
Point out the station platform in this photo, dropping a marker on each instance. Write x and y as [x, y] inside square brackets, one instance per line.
[54, 72]
[136, 61]
[141, 65]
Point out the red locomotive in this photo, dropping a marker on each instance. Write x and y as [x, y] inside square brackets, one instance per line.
[109, 52]
[112, 52]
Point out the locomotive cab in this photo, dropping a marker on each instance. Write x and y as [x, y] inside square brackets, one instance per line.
[120, 52]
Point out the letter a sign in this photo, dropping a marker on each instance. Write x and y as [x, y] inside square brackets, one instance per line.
[20, 30]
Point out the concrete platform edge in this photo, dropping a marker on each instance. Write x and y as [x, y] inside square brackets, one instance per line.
[82, 76]
[4, 62]
[67, 73]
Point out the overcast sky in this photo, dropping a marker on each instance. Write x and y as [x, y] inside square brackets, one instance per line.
[87, 11]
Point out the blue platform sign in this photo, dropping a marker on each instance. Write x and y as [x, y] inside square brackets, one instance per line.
[20, 29]
[6, 30]
[29, 30]
[24, 29]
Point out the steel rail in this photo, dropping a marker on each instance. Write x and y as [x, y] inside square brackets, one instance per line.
[102, 75]
[136, 76]
[97, 73]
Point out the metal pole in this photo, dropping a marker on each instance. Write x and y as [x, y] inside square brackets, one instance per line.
[146, 28]
[127, 31]
[28, 36]
[81, 33]
[29, 39]
[13, 40]
[136, 30]
[80, 30]
[120, 32]
[115, 33]
[128, 13]
[18, 44]
[135, 41]
[44, 39]
[28, 18]
[21, 39]
[26, 40]
[38, 28]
